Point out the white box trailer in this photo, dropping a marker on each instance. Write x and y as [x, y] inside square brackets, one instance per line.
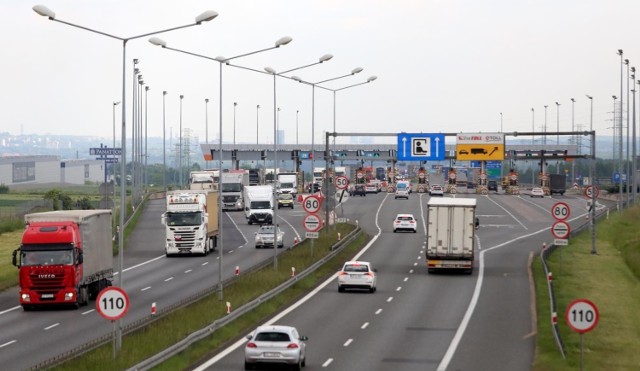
[451, 226]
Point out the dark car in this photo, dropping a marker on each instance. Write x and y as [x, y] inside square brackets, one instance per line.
[492, 185]
[360, 190]
[314, 187]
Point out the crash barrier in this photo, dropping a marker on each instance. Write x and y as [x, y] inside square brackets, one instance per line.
[200, 334]
[545, 253]
[204, 332]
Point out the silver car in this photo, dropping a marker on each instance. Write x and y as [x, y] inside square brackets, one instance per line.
[264, 237]
[357, 275]
[275, 345]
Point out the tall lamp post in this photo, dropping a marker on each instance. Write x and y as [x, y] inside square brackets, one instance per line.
[146, 118]
[206, 123]
[221, 60]
[634, 160]
[257, 124]
[114, 146]
[235, 104]
[204, 17]
[180, 145]
[592, 218]
[558, 135]
[164, 141]
[573, 141]
[533, 129]
[297, 112]
[544, 142]
[620, 53]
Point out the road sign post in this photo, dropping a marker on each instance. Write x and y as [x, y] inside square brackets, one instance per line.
[112, 303]
[582, 316]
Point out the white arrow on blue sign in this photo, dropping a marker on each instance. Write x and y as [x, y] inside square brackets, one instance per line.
[420, 147]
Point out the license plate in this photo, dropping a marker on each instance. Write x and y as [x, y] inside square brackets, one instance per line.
[272, 355]
[47, 296]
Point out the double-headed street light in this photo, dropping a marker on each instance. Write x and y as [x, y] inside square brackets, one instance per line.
[204, 17]
[221, 60]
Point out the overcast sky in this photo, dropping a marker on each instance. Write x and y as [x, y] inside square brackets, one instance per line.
[441, 65]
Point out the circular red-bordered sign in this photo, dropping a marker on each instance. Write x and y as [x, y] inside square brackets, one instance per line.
[560, 211]
[560, 229]
[312, 204]
[112, 303]
[341, 182]
[582, 315]
[312, 223]
[589, 189]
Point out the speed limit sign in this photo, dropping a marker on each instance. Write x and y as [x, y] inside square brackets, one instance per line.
[311, 204]
[112, 303]
[560, 211]
[582, 315]
[341, 182]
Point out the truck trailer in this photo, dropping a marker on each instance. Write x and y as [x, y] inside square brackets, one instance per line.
[65, 257]
[191, 222]
[557, 184]
[451, 225]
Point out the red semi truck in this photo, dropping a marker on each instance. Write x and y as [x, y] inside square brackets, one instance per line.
[65, 257]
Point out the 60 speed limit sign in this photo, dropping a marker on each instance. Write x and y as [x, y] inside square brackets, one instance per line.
[582, 315]
[112, 303]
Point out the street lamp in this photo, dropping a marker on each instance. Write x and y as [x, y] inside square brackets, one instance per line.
[164, 141]
[204, 17]
[573, 141]
[206, 123]
[620, 133]
[257, 126]
[114, 146]
[533, 129]
[558, 123]
[501, 122]
[235, 104]
[180, 145]
[146, 118]
[297, 112]
[221, 60]
[356, 70]
[592, 217]
[544, 142]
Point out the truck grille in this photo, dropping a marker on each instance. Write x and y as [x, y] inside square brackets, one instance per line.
[47, 279]
[229, 199]
[184, 238]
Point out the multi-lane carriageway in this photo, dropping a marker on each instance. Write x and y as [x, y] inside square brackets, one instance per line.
[415, 321]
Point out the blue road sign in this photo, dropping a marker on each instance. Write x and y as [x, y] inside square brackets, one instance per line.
[420, 147]
[488, 164]
[304, 155]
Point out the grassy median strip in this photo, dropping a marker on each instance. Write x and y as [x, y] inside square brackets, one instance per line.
[178, 324]
[611, 280]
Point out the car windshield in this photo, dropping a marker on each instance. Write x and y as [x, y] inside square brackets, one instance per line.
[260, 205]
[231, 187]
[402, 185]
[285, 196]
[356, 268]
[272, 336]
[404, 218]
[266, 230]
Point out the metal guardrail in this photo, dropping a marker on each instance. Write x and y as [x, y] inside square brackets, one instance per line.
[183, 344]
[545, 253]
[206, 331]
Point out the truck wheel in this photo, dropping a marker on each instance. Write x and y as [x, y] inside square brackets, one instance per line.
[250, 222]
[27, 308]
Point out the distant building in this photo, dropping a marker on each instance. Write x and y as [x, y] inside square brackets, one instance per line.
[17, 171]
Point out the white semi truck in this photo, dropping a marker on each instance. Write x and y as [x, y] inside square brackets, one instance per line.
[451, 226]
[191, 222]
[204, 179]
[288, 183]
[233, 184]
[258, 207]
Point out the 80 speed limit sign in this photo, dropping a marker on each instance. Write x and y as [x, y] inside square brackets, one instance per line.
[311, 204]
[112, 303]
[582, 315]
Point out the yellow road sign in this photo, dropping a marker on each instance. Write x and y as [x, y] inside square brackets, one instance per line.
[466, 152]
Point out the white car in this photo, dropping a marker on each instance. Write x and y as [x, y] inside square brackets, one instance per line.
[402, 190]
[357, 275]
[436, 190]
[275, 345]
[537, 192]
[264, 237]
[405, 222]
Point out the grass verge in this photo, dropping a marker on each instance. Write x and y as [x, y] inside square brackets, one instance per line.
[611, 281]
[178, 324]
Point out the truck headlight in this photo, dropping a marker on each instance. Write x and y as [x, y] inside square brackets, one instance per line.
[26, 297]
[69, 296]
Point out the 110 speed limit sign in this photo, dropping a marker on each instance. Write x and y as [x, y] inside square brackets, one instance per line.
[582, 315]
[112, 303]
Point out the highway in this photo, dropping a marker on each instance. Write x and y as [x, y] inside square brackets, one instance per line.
[418, 321]
[414, 320]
